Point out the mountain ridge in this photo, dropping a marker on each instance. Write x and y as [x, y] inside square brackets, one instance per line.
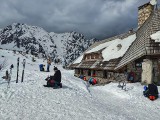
[37, 41]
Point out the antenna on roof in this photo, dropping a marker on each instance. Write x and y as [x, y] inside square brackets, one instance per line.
[153, 2]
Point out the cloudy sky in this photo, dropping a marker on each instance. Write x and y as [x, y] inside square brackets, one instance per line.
[93, 18]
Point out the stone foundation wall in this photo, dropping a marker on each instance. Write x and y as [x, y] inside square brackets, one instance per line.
[99, 73]
[99, 77]
[77, 71]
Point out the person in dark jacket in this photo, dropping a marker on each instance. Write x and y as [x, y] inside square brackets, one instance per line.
[54, 81]
[151, 91]
[57, 75]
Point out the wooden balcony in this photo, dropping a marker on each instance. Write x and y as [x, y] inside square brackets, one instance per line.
[153, 48]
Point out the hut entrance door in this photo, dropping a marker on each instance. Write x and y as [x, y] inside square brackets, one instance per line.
[105, 73]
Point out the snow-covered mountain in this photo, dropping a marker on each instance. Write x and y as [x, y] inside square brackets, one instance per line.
[30, 39]
[37, 41]
[71, 45]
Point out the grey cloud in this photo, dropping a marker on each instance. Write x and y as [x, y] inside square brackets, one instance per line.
[93, 18]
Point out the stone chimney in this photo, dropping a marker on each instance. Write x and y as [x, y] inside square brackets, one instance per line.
[144, 12]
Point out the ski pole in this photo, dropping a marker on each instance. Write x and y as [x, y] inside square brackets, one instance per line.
[17, 69]
[24, 62]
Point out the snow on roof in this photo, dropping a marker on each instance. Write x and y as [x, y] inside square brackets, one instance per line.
[97, 48]
[156, 36]
[112, 52]
[78, 60]
[100, 47]
[110, 48]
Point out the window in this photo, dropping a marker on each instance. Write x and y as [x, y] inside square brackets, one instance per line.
[119, 46]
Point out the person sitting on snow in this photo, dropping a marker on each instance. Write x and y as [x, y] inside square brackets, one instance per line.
[151, 91]
[41, 67]
[54, 81]
[92, 81]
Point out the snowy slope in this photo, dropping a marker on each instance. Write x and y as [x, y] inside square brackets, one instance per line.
[75, 101]
[71, 45]
[60, 39]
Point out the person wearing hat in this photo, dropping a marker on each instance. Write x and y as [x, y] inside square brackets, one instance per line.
[54, 81]
[57, 75]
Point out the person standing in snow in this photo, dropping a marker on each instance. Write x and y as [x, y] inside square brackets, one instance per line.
[48, 64]
[54, 81]
[131, 76]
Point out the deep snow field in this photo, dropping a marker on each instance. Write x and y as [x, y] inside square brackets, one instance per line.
[75, 101]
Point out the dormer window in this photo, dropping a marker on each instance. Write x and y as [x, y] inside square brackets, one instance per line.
[119, 46]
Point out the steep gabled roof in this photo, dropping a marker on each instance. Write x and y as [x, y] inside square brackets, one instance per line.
[114, 52]
[101, 45]
[138, 47]
[108, 47]
[109, 51]
[78, 60]
[121, 36]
